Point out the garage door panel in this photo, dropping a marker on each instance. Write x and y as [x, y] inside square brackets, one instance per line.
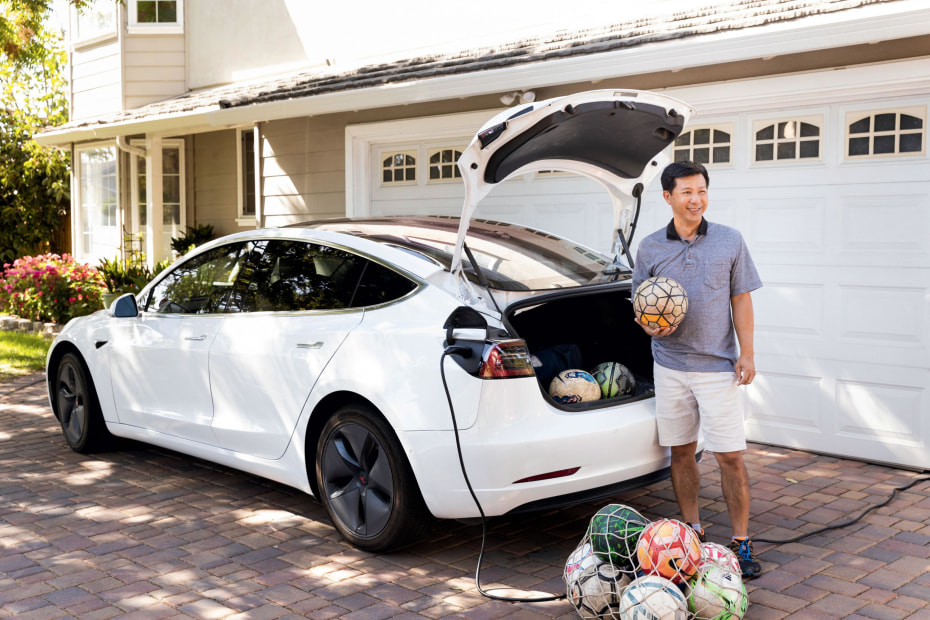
[880, 412]
[786, 226]
[882, 315]
[886, 226]
[774, 397]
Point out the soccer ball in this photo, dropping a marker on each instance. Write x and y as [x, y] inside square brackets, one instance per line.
[718, 594]
[712, 553]
[574, 386]
[594, 590]
[615, 379]
[660, 302]
[653, 598]
[670, 549]
[613, 532]
[579, 559]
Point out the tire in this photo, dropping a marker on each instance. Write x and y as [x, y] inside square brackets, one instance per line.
[366, 483]
[78, 408]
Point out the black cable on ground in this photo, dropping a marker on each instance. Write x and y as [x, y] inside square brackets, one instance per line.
[836, 526]
[484, 525]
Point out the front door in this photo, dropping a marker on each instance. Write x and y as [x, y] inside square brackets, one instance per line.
[160, 359]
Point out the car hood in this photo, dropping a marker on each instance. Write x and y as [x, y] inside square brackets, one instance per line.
[618, 138]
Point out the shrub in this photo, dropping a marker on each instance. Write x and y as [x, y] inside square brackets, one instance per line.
[50, 287]
[128, 276]
[191, 238]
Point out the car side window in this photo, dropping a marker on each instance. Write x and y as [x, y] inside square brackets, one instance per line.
[200, 285]
[380, 285]
[292, 276]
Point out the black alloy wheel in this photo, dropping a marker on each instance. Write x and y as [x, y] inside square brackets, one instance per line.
[366, 483]
[77, 406]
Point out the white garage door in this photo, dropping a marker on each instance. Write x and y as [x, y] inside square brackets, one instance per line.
[843, 247]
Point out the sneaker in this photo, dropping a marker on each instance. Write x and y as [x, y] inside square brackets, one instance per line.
[700, 534]
[747, 562]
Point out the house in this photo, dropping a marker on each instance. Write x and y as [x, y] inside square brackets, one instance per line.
[811, 115]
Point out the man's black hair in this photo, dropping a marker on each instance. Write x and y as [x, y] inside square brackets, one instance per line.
[680, 169]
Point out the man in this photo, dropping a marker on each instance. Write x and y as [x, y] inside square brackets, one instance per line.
[697, 366]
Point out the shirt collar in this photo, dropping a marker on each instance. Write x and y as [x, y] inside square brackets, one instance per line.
[672, 235]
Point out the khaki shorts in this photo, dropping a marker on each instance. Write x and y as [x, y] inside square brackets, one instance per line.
[690, 402]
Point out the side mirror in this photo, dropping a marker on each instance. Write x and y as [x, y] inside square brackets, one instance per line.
[124, 306]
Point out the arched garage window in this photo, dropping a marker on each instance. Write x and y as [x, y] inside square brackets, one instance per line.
[442, 164]
[885, 133]
[790, 140]
[397, 168]
[705, 145]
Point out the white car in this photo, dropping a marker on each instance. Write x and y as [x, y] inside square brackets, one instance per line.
[360, 360]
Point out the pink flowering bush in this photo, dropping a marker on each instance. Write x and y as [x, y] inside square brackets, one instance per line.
[50, 287]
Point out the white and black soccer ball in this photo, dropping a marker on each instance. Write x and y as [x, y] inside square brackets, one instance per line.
[653, 598]
[574, 386]
[594, 591]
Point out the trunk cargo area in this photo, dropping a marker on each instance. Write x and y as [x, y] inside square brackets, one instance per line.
[584, 330]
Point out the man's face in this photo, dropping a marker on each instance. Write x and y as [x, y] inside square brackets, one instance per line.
[688, 199]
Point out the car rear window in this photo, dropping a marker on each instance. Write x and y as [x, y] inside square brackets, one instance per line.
[512, 257]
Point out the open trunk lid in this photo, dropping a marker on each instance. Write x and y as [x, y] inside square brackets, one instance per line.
[618, 138]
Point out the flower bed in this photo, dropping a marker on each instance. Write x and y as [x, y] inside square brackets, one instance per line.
[50, 288]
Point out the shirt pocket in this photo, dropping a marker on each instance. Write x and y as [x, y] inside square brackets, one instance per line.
[717, 275]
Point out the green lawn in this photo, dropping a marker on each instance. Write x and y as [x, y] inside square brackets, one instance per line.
[21, 354]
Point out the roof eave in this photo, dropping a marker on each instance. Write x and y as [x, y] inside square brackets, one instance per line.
[871, 24]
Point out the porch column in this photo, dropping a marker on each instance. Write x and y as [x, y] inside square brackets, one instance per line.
[154, 220]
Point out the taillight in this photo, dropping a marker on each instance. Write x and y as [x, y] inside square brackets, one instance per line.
[506, 359]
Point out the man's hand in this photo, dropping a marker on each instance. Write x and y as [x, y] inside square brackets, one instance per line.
[656, 332]
[745, 370]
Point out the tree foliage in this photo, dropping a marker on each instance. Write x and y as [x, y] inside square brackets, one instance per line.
[34, 180]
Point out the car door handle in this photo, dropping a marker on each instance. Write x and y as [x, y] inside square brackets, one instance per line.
[314, 345]
[197, 338]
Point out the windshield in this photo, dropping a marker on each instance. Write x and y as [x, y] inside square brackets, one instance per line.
[511, 257]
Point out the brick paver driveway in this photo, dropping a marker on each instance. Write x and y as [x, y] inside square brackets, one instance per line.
[148, 533]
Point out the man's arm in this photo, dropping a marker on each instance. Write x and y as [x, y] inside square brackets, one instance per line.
[744, 323]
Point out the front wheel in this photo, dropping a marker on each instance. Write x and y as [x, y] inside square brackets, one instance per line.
[78, 408]
[365, 482]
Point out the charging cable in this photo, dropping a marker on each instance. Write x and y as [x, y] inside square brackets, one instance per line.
[836, 526]
[466, 353]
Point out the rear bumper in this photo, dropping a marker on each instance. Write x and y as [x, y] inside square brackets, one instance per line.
[518, 434]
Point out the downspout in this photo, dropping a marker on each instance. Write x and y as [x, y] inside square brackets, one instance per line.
[129, 148]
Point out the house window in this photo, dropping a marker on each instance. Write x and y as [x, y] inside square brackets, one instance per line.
[787, 140]
[93, 22]
[172, 202]
[397, 168]
[442, 164]
[162, 16]
[885, 133]
[705, 145]
[248, 179]
[97, 217]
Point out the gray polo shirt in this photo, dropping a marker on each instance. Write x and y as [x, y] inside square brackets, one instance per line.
[713, 267]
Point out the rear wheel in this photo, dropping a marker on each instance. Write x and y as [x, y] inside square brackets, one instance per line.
[78, 408]
[365, 482]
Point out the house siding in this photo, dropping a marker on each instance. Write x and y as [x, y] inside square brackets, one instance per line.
[154, 67]
[95, 80]
[215, 181]
[303, 169]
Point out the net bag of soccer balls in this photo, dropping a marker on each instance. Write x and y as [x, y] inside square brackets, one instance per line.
[629, 568]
